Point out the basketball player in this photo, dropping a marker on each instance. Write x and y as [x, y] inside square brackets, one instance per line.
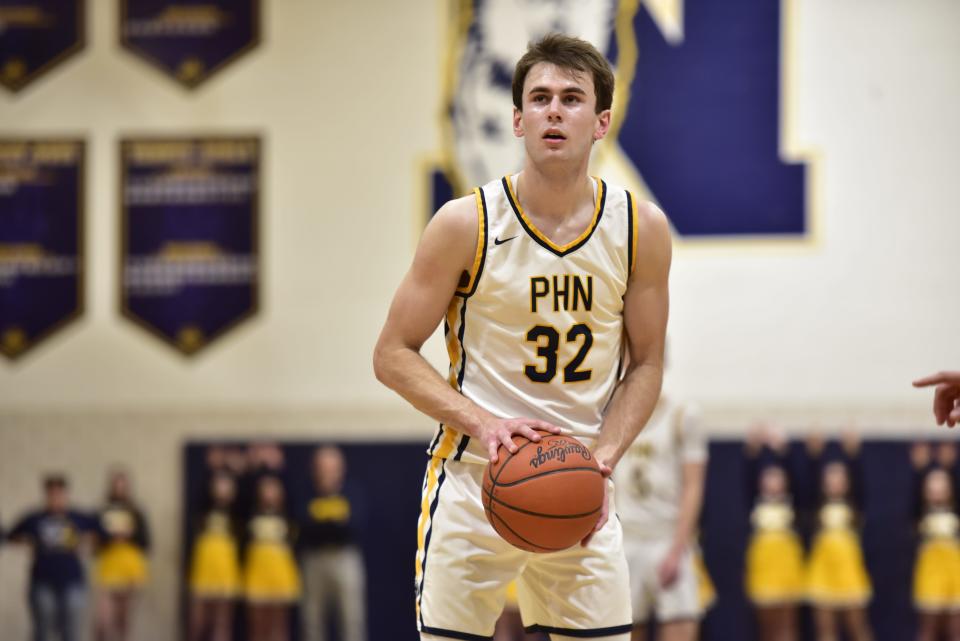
[946, 400]
[553, 287]
[659, 494]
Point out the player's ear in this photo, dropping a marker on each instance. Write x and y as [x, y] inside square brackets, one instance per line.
[517, 122]
[603, 125]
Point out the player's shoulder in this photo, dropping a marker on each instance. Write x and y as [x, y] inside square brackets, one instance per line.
[457, 215]
[452, 235]
[648, 213]
[650, 218]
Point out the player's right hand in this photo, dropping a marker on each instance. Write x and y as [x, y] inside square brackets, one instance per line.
[946, 399]
[499, 431]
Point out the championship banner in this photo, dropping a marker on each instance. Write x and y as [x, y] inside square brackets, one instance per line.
[189, 236]
[41, 240]
[35, 36]
[189, 40]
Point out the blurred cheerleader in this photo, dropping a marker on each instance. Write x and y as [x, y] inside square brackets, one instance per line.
[121, 565]
[936, 578]
[838, 586]
[271, 580]
[774, 572]
[214, 565]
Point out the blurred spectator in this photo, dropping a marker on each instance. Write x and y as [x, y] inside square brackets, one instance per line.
[946, 398]
[56, 534]
[659, 483]
[271, 580]
[334, 575]
[936, 579]
[774, 572]
[214, 565]
[121, 568]
[258, 459]
[838, 586]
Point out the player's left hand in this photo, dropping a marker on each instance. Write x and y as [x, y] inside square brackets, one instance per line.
[669, 568]
[606, 471]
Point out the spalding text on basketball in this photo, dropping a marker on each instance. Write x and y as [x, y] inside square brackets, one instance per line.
[559, 451]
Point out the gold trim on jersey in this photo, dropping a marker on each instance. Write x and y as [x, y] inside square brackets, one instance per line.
[540, 236]
[454, 350]
[477, 269]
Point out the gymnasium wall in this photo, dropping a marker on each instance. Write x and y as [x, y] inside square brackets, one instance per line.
[347, 98]
[347, 101]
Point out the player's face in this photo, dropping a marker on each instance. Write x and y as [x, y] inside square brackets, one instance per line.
[559, 121]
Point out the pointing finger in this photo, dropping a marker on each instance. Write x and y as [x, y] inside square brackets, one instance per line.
[927, 381]
[939, 377]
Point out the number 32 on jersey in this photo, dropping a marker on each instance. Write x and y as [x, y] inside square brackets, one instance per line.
[569, 292]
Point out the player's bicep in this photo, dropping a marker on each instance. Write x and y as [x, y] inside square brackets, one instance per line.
[647, 300]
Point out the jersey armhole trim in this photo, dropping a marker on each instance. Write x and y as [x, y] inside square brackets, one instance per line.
[633, 233]
[480, 257]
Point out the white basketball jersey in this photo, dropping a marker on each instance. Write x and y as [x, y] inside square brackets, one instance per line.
[649, 477]
[537, 329]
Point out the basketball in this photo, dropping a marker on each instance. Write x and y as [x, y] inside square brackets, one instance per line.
[545, 497]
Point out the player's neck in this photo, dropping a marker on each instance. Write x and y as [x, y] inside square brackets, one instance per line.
[555, 194]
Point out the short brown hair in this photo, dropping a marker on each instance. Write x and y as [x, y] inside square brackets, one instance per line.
[566, 52]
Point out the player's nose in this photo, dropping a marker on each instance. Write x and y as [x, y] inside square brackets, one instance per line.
[554, 110]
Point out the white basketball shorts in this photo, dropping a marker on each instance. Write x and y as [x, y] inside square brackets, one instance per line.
[680, 601]
[463, 569]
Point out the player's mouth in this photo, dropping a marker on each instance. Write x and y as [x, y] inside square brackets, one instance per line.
[554, 135]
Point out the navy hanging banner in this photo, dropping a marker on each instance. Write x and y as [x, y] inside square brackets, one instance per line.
[189, 240]
[189, 40]
[41, 240]
[35, 36]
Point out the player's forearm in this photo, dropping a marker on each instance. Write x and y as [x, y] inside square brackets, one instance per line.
[630, 409]
[691, 500]
[407, 373]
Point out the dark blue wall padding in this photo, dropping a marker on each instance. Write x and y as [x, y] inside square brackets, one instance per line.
[391, 474]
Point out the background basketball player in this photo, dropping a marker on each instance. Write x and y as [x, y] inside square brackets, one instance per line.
[540, 276]
[659, 494]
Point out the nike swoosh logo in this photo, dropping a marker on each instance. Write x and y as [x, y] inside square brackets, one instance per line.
[497, 241]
